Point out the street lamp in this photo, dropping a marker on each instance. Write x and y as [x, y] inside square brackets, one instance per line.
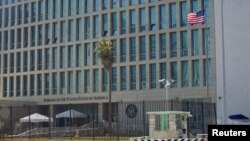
[167, 85]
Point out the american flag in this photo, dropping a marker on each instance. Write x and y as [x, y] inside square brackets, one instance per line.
[196, 17]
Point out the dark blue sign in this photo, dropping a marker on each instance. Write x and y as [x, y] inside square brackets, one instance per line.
[131, 111]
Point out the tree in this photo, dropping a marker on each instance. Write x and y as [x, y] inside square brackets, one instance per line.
[104, 49]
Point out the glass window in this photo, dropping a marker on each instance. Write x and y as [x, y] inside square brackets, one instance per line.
[71, 9]
[12, 39]
[25, 61]
[1, 17]
[172, 15]
[13, 15]
[6, 17]
[79, 55]
[19, 37]
[70, 30]
[12, 62]
[113, 24]
[142, 48]
[96, 5]
[133, 77]
[48, 9]
[104, 80]
[152, 72]
[132, 18]
[105, 4]
[195, 42]
[206, 41]
[96, 26]
[55, 32]
[152, 47]
[152, 20]
[114, 4]
[195, 72]
[47, 58]
[163, 18]
[173, 72]
[62, 57]
[32, 60]
[95, 80]
[207, 72]
[205, 6]
[142, 1]
[32, 85]
[32, 36]
[79, 7]
[79, 29]
[33, 11]
[143, 76]
[114, 79]
[40, 35]
[47, 33]
[19, 14]
[54, 83]
[184, 74]
[87, 6]
[54, 58]
[41, 9]
[123, 22]
[11, 86]
[104, 25]
[70, 82]
[173, 45]
[114, 50]
[163, 40]
[123, 3]
[39, 84]
[132, 41]
[123, 50]
[183, 13]
[63, 8]
[194, 5]
[6, 39]
[5, 86]
[26, 13]
[184, 47]
[79, 82]
[70, 56]
[5, 63]
[1, 41]
[18, 86]
[132, 2]
[86, 81]
[87, 28]
[63, 32]
[18, 61]
[95, 55]
[62, 83]
[25, 85]
[39, 59]
[87, 58]
[123, 77]
[163, 73]
[142, 19]
[25, 37]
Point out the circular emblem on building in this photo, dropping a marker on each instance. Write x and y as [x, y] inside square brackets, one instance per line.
[131, 111]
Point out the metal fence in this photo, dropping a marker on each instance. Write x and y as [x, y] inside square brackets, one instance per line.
[129, 119]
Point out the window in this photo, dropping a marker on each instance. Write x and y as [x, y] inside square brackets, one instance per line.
[132, 19]
[194, 5]
[104, 25]
[47, 58]
[25, 85]
[95, 55]
[1, 41]
[114, 50]
[173, 72]
[86, 81]
[114, 4]
[41, 9]
[79, 7]
[32, 85]
[173, 45]
[183, 13]
[33, 12]
[132, 49]
[70, 82]
[163, 40]
[39, 59]
[207, 72]
[163, 18]
[172, 15]
[18, 86]
[78, 29]
[195, 72]
[62, 83]
[123, 22]
[96, 5]
[40, 35]
[123, 77]
[152, 20]
[79, 82]
[12, 39]
[19, 38]
[114, 79]
[87, 28]
[54, 58]
[123, 50]
[26, 13]
[87, 58]
[132, 2]
[70, 30]
[55, 32]
[142, 48]
[95, 80]
[32, 36]
[143, 84]
[47, 33]
[163, 73]
[18, 61]
[113, 24]
[12, 62]
[184, 47]
[63, 32]
[105, 4]
[205, 5]
[79, 55]
[152, 47]
[39, 84]
[54, 83]
[104, 80]
[25, 37]
[71, 56]
[11, 86]
[6, 39]
[152, 73]
[123, 3]
[62, 57]
[5, 63]
[5, 86]
[142, 19]
[1, 17]
[132, 77]
[32, 60]
[19, 14]
[71, 7]
[25, 61]
[6, 17]
[63, 8]
[46, 84]
[13, 15]
[195, 42]
[87, 6]
[48, 9]
[142, 1]
[184, 74]
[206, 41]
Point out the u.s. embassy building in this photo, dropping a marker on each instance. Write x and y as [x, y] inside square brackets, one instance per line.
[47, 52]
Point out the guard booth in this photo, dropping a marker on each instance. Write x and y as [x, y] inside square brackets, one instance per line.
[167, 124]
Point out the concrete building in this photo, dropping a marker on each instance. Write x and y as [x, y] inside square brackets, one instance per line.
[47, 51]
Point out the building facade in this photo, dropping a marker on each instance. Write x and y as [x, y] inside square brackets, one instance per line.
[47, 51]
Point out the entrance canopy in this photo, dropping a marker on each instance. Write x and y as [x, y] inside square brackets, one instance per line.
[71, 114]
[36, 118]
[239, 117]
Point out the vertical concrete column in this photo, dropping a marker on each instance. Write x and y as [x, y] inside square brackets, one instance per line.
[51, 113]
[151, 124]
[100, 112]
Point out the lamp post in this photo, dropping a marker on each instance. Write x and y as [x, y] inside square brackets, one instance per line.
[167, 84]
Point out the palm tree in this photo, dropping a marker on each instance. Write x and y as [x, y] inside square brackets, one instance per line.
[104, 49]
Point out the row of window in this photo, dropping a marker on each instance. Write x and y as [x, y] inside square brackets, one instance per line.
[88, 81]
[28, 13]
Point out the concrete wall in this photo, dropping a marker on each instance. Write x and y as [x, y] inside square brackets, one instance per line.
[232, 18]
